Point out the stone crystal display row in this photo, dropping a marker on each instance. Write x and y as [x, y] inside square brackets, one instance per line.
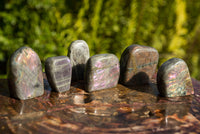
[137, 66]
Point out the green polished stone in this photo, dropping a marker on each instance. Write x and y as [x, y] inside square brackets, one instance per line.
[25, 77]
[173, 79]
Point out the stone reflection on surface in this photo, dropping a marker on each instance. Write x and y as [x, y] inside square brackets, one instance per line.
[175, 111]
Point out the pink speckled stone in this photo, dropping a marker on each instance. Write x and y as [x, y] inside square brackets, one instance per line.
[173, 79]
[102, 71]
[25, 75]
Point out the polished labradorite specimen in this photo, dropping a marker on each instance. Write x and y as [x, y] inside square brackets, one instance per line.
[25, 77]
[59, 71]
[173, 79]
[78, 52]
[138, 64]
[102, 71]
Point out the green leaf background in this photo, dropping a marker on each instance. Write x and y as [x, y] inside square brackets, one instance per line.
[108, 26]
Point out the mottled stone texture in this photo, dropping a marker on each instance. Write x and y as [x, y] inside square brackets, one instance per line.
[78, 52]
[173, 79]
[102, 71]
[58, 70]
[25, 74]
[137, 65]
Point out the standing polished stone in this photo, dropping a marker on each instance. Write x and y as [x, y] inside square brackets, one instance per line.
[173, 79]
[78, 53]
[25, 76]
[58, 70]
[138, 64]
[102, 71]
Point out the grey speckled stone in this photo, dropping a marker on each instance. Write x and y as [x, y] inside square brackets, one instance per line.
[78, 52]
[138, 64]
[173, 79]
[102, 71]
[58, 70]
[25, 77]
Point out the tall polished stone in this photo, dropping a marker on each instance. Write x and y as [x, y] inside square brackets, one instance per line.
[102, 71]
[173, 79]
[58, 70]
[25, 76]
[78, 52]
[138, 64]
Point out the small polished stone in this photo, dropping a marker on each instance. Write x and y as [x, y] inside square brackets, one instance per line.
[102, 71]
[25, 77]
[78, 52]
[138, 65]
[173, 79]
[58, 70]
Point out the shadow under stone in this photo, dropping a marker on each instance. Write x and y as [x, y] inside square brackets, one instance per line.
[141, 82]
[4, 90]
[139, 78]
[78, 72]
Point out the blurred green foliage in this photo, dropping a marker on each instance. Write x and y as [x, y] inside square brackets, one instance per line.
[108, 26]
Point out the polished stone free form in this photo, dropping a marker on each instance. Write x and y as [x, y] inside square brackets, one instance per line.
[102, 71]
[173, 79]
[25, 77]
[58, 70]
[78, 52]
[138, 65]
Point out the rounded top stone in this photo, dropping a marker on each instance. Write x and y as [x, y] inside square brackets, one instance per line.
[25, 77]
[135, 48]
[25, 54]
[78, 52]
[78, 43]
[56, 60]
[173, 79]
[103, 60]
[168, 65]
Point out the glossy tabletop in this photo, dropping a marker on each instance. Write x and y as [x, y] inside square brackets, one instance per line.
[116, 110]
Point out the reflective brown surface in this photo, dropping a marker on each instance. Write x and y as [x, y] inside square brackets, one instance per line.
[115, 110]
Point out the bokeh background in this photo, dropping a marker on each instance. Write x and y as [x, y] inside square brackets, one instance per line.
[108, 26]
